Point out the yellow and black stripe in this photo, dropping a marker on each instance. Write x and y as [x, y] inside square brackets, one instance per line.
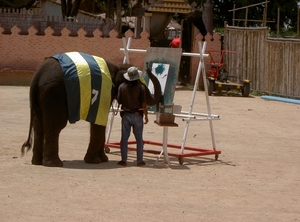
[88, 86]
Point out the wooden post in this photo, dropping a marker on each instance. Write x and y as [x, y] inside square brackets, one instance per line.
[265, 17]
[246, 17]
[225, 27]
[265, 14]
[298, 23]
[233, 18]
[278, 21]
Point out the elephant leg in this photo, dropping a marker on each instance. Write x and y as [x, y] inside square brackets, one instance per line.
[55, 117]
[50, 154]
[103, 157]
[95, 152]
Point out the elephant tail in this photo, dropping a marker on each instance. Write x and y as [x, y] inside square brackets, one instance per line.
[28, 143]
[154, 99]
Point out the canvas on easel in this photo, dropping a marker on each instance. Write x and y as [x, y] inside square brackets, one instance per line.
[164, 64]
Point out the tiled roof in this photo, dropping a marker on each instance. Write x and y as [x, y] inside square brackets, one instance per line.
[175, 6]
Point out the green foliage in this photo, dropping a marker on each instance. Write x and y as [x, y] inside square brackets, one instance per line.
[284, 33]
[100, 6]
[288, 12]
[255, 93]
[103, 4]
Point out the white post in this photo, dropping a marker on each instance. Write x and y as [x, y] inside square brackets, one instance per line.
[200, 68]
[165, 145]
[126, 49]
[108, 131]
[210, 117]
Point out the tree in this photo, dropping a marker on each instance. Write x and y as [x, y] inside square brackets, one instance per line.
[70, 9]
[288, 12]
[109, 12]
[17, 4]
[110, 7]
[119, 17]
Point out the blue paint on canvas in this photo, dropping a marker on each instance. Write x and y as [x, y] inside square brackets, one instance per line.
[170, 81]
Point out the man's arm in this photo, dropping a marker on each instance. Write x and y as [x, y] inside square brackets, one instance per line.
[144, 106]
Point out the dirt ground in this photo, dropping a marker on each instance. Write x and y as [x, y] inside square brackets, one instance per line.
[256, 178]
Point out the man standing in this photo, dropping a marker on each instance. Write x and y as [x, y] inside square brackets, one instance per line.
[132, 97]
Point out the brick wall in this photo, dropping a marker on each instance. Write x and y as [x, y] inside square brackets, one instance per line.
[27, 52]
[213, 42]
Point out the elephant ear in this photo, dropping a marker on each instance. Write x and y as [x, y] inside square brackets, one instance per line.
[119, 78]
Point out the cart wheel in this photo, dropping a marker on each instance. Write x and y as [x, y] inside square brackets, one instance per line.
[216, 156]
[246, 90]
[180, 160]
[210, 86]
[106, 149]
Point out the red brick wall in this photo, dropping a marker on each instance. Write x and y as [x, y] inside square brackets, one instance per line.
[27, 52]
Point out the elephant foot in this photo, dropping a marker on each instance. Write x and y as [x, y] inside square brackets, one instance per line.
[36, 162]
[37, 159]
[53, 163]
[103, 157]
[91, 159]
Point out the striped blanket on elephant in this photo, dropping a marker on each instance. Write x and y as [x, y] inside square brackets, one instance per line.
[88, 86]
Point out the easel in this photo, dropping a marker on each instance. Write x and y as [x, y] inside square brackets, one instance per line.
[186, 116]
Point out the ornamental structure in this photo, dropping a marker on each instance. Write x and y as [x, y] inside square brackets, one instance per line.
[175, 6]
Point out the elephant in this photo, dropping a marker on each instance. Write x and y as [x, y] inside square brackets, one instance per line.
[49, 111]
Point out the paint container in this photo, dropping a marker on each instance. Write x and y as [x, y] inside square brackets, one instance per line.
[165, 115]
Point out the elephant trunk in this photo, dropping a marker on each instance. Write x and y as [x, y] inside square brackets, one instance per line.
[156, 97]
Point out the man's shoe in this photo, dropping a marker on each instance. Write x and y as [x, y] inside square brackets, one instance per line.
[122, 163]
[141, 163]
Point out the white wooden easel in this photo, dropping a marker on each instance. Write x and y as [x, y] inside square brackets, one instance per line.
[186, 116]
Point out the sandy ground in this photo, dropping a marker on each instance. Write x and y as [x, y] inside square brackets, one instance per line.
[256, 178]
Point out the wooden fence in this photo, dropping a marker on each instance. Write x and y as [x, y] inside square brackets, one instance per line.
[272, 64]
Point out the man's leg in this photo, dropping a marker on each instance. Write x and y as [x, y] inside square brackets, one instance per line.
[138, 133]
[126, 127]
